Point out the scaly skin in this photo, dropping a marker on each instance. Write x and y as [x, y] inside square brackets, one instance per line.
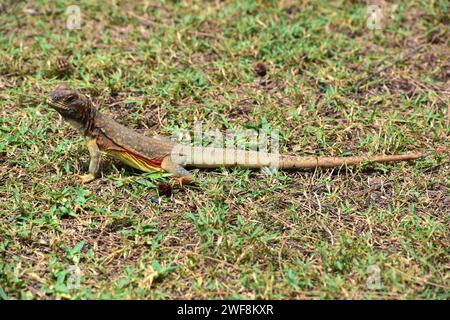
[160, 154]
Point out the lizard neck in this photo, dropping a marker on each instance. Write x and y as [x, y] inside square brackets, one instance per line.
[88, 119]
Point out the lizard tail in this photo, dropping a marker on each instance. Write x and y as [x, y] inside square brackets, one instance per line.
[217, 157]
[292, 162]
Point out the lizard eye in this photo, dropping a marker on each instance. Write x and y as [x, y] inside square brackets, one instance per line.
[70, 99]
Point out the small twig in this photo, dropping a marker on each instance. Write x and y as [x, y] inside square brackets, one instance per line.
[438, 166]
[373, 75]
[329, 233]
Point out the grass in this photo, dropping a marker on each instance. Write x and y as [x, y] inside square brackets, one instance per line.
[236, 233]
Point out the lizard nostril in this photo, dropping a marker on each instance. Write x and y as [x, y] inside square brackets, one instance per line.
[54, 96]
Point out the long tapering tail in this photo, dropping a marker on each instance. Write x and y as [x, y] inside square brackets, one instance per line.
[217, 157]
[289, 162]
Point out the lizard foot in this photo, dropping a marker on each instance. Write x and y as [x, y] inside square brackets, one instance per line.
[183, 180]
[86, 178]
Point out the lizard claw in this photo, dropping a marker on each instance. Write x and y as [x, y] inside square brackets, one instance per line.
[86, 178]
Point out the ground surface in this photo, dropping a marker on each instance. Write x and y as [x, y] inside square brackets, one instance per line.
[367, 232]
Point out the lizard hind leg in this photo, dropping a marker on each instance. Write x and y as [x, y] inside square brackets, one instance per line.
[180, 174]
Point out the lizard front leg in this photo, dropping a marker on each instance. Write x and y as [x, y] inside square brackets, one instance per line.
[94, 164]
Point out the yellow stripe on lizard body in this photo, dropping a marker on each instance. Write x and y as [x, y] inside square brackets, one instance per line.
[108, 146]
[135, 161]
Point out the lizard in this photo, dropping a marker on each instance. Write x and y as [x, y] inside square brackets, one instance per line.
[149, 154]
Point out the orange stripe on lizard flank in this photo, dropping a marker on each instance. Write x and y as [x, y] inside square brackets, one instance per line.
[151, 162]
[128, 157]
[134, 160]
[105, 143]
[99, 142]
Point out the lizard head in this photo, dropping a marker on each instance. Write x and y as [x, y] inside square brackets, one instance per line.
[71, 104]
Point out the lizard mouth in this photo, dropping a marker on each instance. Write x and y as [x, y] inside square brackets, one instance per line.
[50, 101]
[55, 104]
